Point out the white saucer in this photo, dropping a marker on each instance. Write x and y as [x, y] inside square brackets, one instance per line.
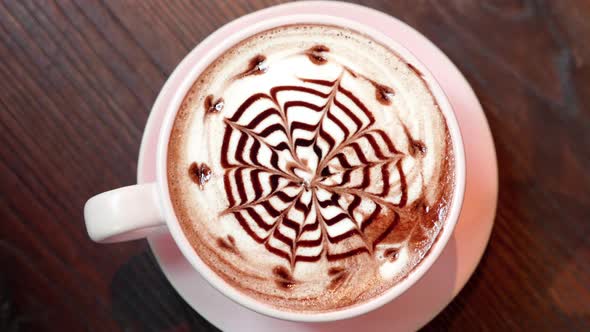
[448, 275]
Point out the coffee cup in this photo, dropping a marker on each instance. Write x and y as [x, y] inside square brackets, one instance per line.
[137, 211]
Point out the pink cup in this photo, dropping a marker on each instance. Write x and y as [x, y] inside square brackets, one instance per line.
[135, 211]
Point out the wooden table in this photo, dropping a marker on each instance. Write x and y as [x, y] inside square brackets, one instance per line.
[78, 78]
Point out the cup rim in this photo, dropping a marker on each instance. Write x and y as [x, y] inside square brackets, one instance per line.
[261, 307]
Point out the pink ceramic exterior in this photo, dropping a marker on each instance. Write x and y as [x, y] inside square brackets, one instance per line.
[219, 283]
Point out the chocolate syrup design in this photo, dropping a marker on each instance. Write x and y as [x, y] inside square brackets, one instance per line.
[313, 207]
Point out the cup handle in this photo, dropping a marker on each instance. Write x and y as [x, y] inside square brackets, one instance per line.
[124, 214]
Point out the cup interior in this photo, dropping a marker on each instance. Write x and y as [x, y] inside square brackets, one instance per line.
[264, 308]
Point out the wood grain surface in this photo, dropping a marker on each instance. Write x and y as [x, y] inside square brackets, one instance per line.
[78, 78]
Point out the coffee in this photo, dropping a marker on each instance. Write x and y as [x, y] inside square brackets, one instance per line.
[310, 167]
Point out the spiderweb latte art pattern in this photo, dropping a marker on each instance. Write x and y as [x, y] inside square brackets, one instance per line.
[311, 207]
[344, 198]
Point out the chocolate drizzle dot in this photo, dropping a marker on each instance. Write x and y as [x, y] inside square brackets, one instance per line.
[415, 147]
[199, 174]
[257, 66]
[213, 106]
[316, 56]
[283, 277]
[383, 93]
[391, 254]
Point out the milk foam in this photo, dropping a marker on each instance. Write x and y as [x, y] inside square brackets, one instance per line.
[311, 226]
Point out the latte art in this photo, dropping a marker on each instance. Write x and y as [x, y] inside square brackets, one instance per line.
[311, 206]
[310, 176]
